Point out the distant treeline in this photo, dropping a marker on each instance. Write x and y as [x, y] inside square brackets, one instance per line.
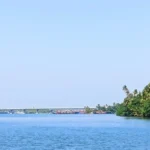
[106, 109]
[136, 103]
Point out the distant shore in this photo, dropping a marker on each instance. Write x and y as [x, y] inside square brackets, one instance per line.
[53, 111]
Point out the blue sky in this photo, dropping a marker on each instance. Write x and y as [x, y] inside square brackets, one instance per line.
[72, 53]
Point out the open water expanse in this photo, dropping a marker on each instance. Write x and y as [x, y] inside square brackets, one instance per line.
[73, 132]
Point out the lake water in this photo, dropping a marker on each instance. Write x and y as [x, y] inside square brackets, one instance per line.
[73, 132]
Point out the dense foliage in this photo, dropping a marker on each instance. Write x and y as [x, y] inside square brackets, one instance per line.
[135, 103]
[111, 109]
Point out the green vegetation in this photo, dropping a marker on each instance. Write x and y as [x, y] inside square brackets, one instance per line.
[135, 103]
[106, 109]
[88, 110]
[43, 111]
[30, 111]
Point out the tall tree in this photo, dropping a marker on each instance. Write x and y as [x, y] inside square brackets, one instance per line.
[136, 104]
[135, 92]
[126, 90]
[98, 107]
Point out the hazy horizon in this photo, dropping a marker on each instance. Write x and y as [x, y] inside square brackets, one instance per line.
[72, 53]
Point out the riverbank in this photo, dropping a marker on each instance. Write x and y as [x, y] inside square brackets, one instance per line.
[53, 111]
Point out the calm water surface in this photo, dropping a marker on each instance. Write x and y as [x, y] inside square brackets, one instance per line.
[73, 132]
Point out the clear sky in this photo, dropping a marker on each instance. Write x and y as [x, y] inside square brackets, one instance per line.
[72, 53]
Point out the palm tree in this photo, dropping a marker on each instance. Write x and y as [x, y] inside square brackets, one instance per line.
[126, 90]
[98, 107]
[135, 92]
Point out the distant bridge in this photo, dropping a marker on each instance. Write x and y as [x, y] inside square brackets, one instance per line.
[40, 110]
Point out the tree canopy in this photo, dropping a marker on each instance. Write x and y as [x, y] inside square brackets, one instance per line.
[135, 103]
